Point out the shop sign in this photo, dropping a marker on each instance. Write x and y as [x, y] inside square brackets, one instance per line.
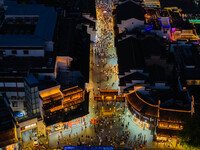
[28, 126]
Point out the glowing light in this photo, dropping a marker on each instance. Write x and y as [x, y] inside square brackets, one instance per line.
[195, 21]
[88, 147]
[30, 126]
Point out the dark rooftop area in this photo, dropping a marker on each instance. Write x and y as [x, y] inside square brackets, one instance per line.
[20, 64]
[6, 115]
[45, 84]
[187, 6]
[130, 55]
[131, 52]
[171, 99]
[31, 80]
[132, 76]
[129, 9]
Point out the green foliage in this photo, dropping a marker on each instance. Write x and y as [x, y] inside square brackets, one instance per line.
[190, 135]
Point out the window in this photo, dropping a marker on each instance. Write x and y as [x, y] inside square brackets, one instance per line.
[26, 52]
[14, 104]
[14, 52]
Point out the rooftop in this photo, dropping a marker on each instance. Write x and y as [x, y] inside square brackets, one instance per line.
[45, 84]
[129, 9]
[31, 80]
[130, 55]
[133, 51]
[23, 64]
[186, 5]
[45, 26]
[132, 76]
[8, 40]
[143, 104]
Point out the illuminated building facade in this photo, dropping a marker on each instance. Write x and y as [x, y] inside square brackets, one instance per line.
[151, 3]
[109, 95]
[60, 106]
[158, 116]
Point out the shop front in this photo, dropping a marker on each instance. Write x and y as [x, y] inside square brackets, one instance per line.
[28, 132]
[138, 119]
[65, 125]
[142, 124]
[31, 128]
[10, 147]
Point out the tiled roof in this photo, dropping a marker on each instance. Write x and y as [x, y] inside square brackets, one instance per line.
[142, 106]
[44, 29]
[173, 115]
[132, 76]
[129, 9]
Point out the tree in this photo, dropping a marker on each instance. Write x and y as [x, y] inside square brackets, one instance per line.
[190, 135]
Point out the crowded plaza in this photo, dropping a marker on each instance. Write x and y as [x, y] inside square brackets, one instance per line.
[108, 123]
[99, 74]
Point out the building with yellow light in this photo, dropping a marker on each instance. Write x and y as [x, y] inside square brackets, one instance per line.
[58, 106]
[151, 3]
[160, 116]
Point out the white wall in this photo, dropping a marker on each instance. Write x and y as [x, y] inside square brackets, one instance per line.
[129, 24]
[10, 84]
[22, 16]
[20, 84]
[91, 32]
[32, 52]
[9, 94]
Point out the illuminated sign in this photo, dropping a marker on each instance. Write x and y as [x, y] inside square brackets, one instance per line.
[28, 126]
[87, 147]
[195, 21]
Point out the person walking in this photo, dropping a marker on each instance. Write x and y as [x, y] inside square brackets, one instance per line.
[58, 137]
[58, 144]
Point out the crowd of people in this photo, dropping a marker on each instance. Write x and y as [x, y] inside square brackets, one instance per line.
[103, 134]
[105, 70]
[105, 66]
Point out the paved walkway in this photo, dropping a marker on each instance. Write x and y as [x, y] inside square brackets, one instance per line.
[116, 130]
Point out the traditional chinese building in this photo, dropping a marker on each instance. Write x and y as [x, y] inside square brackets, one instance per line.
[60, 106]
[166, 119]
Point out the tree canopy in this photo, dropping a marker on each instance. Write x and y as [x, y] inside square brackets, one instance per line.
[190, 135]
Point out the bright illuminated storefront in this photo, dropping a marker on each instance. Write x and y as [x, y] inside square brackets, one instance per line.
[65, 125]
[142, 124]
[161, 138]
[31, 127]
[10, 147]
